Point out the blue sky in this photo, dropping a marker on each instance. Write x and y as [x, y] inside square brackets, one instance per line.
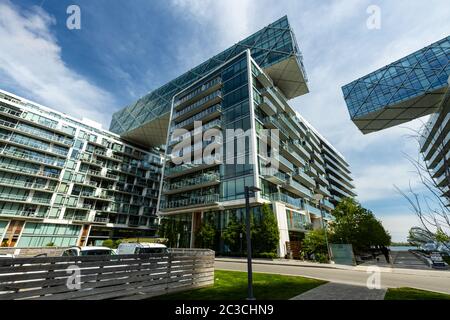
[127, 48]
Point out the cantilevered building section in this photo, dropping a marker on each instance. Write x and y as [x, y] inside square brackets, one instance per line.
[274, 48]
[66, 182]
[402, 91]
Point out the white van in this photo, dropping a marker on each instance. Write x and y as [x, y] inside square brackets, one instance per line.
[141, 248]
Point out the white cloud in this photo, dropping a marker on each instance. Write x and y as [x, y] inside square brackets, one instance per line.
[31, 59]
[399, 224]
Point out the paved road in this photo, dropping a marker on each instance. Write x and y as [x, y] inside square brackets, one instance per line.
[438, 281]
[405, 259]
[339, 291]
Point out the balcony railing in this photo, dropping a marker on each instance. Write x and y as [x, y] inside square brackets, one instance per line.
[198, 104]
[314, 210]
[282, 197]
[199, 180]
[40, 146]
[38, 133]
[192, 201]
[198, 116]
[209, 125]
[21, 213]
[25, 184]
[188, 166]
[21, 169]
[198, 91]
[31, 157]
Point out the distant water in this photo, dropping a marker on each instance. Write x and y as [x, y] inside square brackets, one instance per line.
[402, 248]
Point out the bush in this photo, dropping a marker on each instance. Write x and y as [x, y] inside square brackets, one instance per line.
[315, 244]
[108, 243]
[266, 255]
[50, 244]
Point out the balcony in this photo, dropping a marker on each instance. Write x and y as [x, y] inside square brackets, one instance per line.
[292, 155]
[284, 164]
[272, 123]
[31, 157]
[28, 171]
[323, 191]
[100, 220]
[328, 205]
[296, 188]
[33, 145]
[313, 210]
[42, 122]
[191, 167]
[204, 116]
[339, 173]
[17, 127]
[198, 106]
[198, 93]
[22, 213]
[273, 175]
[290, 127]
[301, 176]
[204, 180]
[194, 201]
[282, 197]
[27, 185]
[217, 123]
[268, 107]
[298, 146]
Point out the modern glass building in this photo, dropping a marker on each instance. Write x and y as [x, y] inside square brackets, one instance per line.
[404, 90]
[412, 87]
[65, 181]
[107, 184]
[274, 48]
[310, 176]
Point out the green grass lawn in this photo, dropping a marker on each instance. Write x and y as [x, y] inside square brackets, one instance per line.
[232, 285]
[414, 294]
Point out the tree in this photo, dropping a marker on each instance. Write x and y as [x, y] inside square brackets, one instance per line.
[231, 234]
[315, 244]
[267, 234]
[432, 206]
[357, 226]
[205, 236]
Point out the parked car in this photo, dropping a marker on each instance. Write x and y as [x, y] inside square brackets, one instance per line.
[141, 248]
[87, 251]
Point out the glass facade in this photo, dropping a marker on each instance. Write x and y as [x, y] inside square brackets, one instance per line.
[271, 45]
[400, 84]
[242, 97]
[58, 169]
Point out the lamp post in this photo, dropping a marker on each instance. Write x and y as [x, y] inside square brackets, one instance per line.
[249, 242]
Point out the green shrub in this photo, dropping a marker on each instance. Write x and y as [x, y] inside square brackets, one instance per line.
[50, 244]
[108, 243]
[266, 255]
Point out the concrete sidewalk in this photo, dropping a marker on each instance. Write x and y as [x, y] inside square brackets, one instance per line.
[339, 291]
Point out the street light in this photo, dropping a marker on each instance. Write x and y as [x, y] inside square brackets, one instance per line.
[319, 198]
[249, 241]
